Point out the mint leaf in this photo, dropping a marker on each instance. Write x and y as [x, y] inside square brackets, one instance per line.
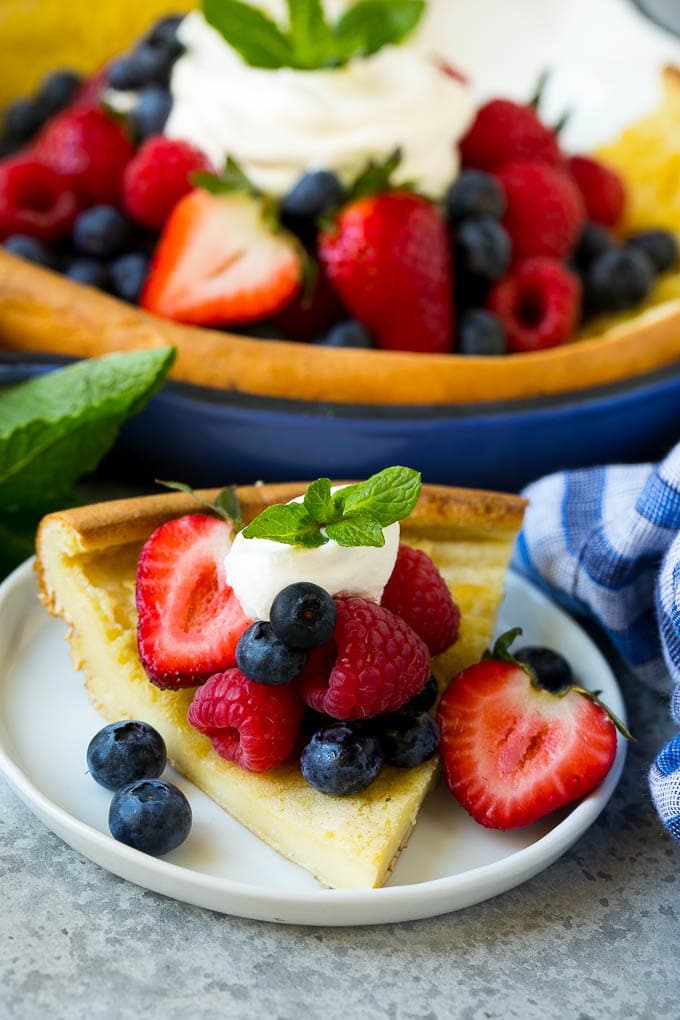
[371, 24]
[319, 502]
[310, 36]
[290, 523]
[387, 497]
[359, 529]
[57, 427]
[256, 37]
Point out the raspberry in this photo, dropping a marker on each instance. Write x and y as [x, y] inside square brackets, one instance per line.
[250, 724]
[539, 304]
[602, 190]
[545, 213]
[34, 200]
[88, 149]
[503, 132]
[417, 593]
[158, 177]
[374, 663]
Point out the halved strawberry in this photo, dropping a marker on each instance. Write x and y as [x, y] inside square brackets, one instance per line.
[219, 261]
[189, 618]
[514, 752]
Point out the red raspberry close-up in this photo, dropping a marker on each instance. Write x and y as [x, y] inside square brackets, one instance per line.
[373, 664]
[251, 724]
[539, 304]
[417, 593]
[602, 190]
[503, 132]
[35, 200]
[88, 149]
[545, 213]
[158, 176]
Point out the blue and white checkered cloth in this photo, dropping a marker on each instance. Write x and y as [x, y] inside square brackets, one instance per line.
[607, 541]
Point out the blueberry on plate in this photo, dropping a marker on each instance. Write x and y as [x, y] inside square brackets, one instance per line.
[128, 274]
[483, 248]
[474, 193]
[151, 111]
[408, 739]
[619, 279]
[315, 193]
[347, 334]
[101, 231]
[424, 699]
[341, 759]
[264, 659]
[28, 248]
[660, 246]
[91, 272]
[481, 332]
[552, 670]
[150, 815]
[303, 615]
[594, 241]
[58, 89]
[124, 752]
[24, 116]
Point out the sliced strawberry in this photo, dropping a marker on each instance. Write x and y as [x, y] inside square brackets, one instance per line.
[514, 752]
[219, 261]
[189, 618]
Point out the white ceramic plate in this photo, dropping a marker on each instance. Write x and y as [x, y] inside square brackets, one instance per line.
[46, 723]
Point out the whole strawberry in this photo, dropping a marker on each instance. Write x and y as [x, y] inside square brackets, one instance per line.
[545, 213]
[602, 190]
[89, 150]
[417, 593]
[513, 751]
[388, 257]
[503, 132]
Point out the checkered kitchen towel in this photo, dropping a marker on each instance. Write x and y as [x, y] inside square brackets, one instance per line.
[607, 540]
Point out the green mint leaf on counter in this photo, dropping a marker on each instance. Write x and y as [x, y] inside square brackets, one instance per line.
[57, 427]
[256, 37]
[226, 503]
[290, 524]
[371, 24]
[319, 503]
[359, 529]
[310, 35]
[387, 497]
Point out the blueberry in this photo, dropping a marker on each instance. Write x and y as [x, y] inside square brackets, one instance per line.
[164, 33]
[474, 193]
[594, 241]
[481, 332]
[150, 815]
[660, 246]
[128, 273]
[619, 279]
[101, 231]
[483, 248]
[23, 117]
[124, 752]
[552, 670]
[408, 739]
[424, 699]
[264, 659]
[303, 615]
[347, 334]
[341, 759]
[58, 89]
[148, 64]
[88, 271]
[8, 146]
[315, 193]
[151, 111]
[28, 248]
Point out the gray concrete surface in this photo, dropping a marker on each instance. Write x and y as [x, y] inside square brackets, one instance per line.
[596, 935]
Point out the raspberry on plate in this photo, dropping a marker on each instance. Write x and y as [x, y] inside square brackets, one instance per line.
[248, 723]
[539, 304]
[35, 201]
[545, 214]
[504, 131]
[374, 663]
[602, 190]
[158, 176]
[417, 593]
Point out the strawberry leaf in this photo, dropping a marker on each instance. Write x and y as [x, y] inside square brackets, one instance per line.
[375, 177]
[359, 529]
[290, 524]
[371, 24]
[256, 37]
[226, 503]
[231, 179]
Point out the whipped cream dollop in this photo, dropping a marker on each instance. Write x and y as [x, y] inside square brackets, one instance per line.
[258, 569]
[277, 124]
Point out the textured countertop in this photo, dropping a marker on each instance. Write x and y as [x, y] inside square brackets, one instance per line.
[596, 935]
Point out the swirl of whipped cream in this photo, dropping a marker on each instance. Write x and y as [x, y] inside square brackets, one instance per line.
[278, 124]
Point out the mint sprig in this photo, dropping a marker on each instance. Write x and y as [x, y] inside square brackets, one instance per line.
[353, 516]
[309, 42]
